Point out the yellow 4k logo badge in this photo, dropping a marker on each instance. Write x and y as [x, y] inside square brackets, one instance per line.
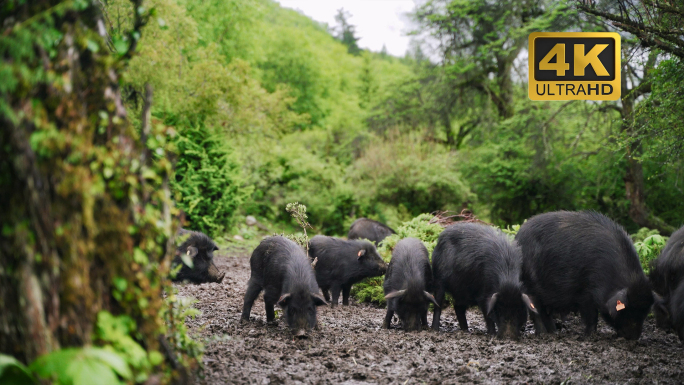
[574, 66]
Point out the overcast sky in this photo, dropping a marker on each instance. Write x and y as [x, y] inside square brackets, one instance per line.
[377, 22]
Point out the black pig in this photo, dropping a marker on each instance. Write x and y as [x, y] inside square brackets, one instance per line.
[677, 310]
[583, 261]
[341, 263]
[374, 231]
[667, 277]
[280, 268]
[407, 285]
[200, 249]
[479, 265]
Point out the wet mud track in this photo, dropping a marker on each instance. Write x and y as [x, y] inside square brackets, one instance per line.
[350, 347]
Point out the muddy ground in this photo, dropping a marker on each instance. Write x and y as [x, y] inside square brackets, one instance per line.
[350, 347]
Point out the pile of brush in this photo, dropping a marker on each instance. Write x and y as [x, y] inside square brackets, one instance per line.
[448, 218]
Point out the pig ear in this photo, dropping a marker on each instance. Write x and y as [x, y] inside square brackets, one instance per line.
[284, 300]
[432, 299]
[216, 248]
[191, 251]
[529, 304]
[395, 294]
[492, 302]
[361, 253]
[617, 303]
[318, 300]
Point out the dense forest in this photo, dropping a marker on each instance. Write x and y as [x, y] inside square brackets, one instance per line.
[123, 119]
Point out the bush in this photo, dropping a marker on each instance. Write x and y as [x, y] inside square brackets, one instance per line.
[407, 171]
[207, 179]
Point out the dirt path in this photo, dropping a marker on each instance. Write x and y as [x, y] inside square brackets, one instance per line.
[351, 348]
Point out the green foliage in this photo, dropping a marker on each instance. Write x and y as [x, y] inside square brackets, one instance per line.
[648, 243]
[661, 116]
[207, 180]
[418, 227]
[13, 372]
[511, 231]
[377, 136]
[81, 366]
[370, 290]
[404, 171]
[643, 233]
[298, 212]
[188, 351]
[116, 333]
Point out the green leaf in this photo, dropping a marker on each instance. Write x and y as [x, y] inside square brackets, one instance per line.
[155, 358]
[120, 283]
[121, 46]
[187, 260]
[140, 257]
[93, 46]
[112, 359]
[13, 372]
[87, 372]
[54, 365]
[81, 366]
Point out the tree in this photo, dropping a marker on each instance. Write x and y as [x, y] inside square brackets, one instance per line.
[653, 26]
[657, 24]
[207, 179]
[346, 33]
[87, 217]
[479, 40]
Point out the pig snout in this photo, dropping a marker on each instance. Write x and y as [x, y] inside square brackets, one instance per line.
[215, 274]
[301, 333]
[508, 331]
[383, 267]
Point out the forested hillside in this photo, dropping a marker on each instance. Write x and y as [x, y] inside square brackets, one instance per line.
[271, 108]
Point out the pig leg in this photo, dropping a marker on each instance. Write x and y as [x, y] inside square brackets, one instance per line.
[439, 297]
[335, 294]
[271, 297]
[590, 318]
[461, 315]
[543, 322]
[269, 302]
[423, 320]
[388, 318]
[346, 289]
[326, 293]
[253, 290]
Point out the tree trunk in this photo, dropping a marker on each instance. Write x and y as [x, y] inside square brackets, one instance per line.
[73, 217]
[634, 177]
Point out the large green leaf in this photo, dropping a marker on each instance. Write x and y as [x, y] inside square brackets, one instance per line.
[77, 366]
[13, 372]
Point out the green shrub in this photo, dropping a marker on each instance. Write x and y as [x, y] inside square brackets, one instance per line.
[207, 179]
[642, 234]
[649, 248]
[405, 170]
